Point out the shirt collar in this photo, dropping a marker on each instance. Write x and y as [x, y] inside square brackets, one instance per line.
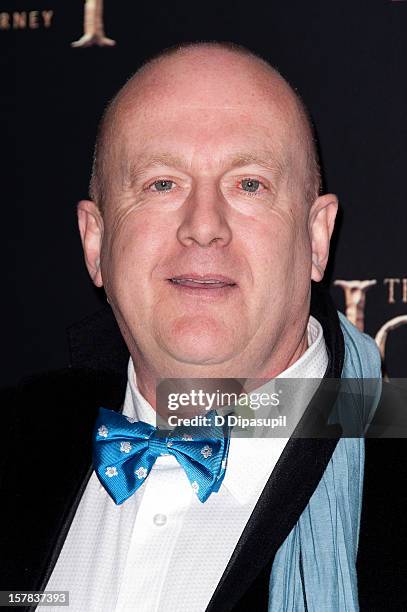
[250, 460]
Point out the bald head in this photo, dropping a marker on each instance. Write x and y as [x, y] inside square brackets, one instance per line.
[204, 77]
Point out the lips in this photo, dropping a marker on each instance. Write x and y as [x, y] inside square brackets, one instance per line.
[206, 281]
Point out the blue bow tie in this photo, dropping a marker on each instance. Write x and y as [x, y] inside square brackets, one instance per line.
[124, 452]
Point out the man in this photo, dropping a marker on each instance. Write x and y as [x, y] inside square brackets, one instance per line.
[206, 227]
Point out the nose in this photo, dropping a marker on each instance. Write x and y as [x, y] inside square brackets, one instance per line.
[204, 219]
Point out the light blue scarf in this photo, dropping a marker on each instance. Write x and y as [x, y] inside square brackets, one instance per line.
[319, 555]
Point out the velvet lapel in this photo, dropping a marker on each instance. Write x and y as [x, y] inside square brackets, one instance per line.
[295, 477]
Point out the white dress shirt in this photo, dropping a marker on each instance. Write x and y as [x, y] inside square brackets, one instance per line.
[163, 550]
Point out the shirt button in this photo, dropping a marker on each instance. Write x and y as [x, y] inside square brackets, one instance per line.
[159, 519]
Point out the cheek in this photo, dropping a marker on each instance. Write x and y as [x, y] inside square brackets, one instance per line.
[269, 249]
[134, 251]
[280, 259]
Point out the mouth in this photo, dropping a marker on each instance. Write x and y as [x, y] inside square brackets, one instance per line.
[202, 282]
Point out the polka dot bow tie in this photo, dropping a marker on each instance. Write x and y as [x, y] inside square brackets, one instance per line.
[124, 451]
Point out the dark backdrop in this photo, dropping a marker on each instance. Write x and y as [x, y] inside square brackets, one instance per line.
[348, 60]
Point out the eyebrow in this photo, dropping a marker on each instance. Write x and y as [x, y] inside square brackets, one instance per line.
[265, 158]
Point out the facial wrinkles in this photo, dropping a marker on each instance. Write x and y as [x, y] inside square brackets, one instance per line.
[200, 166]
[127, 204]
[191, 159]
[115, 225]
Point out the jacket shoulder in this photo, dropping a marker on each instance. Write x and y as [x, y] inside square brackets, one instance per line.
[40, 403]
[37, 391]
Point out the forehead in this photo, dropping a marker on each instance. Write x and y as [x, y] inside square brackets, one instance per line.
[205, 115]
[207, 136]
[199, 136]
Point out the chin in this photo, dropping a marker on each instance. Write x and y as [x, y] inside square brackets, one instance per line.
[198, 340]
[194, 351]
[198, 349]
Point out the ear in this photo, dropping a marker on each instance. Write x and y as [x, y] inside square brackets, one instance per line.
[90, 223]
[321, 223]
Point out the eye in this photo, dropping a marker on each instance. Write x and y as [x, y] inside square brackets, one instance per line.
[250, 185]
[162, 185]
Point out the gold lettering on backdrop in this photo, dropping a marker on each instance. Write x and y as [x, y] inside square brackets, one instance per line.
[355, 302]
[4, 21]
[391, 282]
[355, 299]
[33, 19]
[20, 20]
[47, 16]
[93, 27]
[382, 334]
[26, 20]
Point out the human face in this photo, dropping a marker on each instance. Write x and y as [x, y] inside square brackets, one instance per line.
[209, 190]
